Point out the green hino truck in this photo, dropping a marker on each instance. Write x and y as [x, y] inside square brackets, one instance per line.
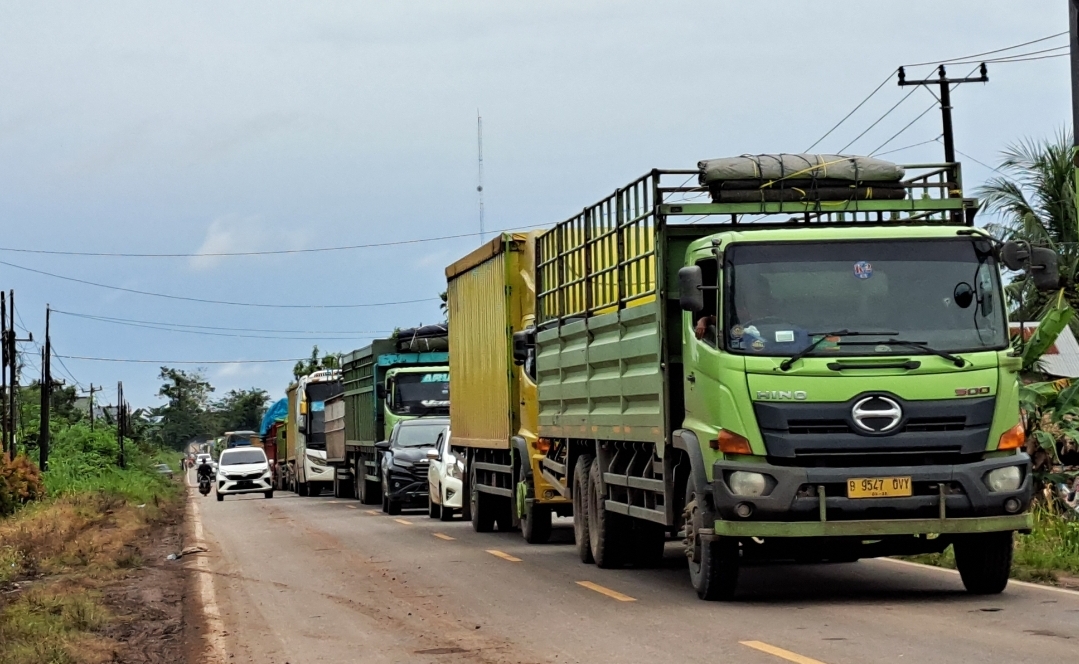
[390, 380]
[801, 358]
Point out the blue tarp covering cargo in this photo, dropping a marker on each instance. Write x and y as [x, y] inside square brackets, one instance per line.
[276, 413]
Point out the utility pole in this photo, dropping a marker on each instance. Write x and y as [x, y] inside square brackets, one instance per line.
[46, 396]
[91, 391]
[479, 181]
[11, 363]
[1073, 29]
[5, 427]
[121, 421]
[945, 98]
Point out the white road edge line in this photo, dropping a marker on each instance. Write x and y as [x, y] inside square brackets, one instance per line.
[1024, 584]
[215, 626]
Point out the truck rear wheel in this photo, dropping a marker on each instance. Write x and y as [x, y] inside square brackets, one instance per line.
[984, 561]
[713, 562]
[607, 531]
[483, 514]
[580, 508]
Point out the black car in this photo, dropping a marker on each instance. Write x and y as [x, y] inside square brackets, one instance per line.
[404, 462]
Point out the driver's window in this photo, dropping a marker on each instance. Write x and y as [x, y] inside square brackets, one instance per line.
[705, 323]
[439, 444]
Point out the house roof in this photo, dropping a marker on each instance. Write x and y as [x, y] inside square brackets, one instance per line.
[1062, 358]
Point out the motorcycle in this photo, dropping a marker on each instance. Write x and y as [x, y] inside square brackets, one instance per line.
[204, 486]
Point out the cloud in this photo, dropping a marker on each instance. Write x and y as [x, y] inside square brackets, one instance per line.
[233, 233]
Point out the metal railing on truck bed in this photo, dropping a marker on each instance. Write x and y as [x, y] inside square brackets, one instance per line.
[605, 257]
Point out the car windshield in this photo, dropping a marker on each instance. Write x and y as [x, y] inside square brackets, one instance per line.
[418, 435]
[943, 293]
[421, 393]
[242, 457]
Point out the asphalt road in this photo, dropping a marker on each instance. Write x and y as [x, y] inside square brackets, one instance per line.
[302, 580]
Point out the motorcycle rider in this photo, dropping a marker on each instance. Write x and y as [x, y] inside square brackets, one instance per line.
[205, 471]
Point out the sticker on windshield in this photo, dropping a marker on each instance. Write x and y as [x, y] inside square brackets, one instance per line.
[863, 269]
[737, 331]
[758, 344]
[784, 336]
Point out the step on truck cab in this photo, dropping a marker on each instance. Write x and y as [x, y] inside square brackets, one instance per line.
[493, 416]
[307, 409]
[390, 380]
[793, 367]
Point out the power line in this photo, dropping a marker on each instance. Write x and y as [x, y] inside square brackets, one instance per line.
[67, 372]
[1017, 58]
[881, 154]
[119, 359]
[845, 117]
[878, 120]
[273, 252]
[226, 334]
[978, 55]
[920, 116]
[214, 327]
[226, 302]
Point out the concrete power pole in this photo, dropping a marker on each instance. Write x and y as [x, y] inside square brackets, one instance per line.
[479, 181]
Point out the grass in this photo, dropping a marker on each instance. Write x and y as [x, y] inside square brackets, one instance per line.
[1049, 551]
[54, 625]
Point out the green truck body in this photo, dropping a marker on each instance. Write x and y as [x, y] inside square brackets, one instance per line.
[663, 420]
[367, 418]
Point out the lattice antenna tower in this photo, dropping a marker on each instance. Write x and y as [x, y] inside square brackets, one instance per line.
[479, 180]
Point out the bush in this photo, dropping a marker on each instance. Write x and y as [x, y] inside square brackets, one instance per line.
[20, 482]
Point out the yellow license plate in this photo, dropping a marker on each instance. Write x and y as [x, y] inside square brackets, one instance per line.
[878, 487]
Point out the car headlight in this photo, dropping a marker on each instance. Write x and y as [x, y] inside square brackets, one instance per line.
[1004, 479]
[745, 483]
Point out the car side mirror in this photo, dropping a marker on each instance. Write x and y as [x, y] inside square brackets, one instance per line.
[691, 297]
[380, 391]
[432, 454]
[1015, 255]
[382, 445]
[1044, 269]
[523, 341]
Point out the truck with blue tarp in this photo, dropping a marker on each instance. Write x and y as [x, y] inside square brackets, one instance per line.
[385, 382]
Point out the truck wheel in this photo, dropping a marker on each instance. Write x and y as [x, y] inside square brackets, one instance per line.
[984, 561]
[536, 523]
[607, 531]
[483, 516]
[647, 540]
[434, 510]
[269, 494]
[301, 489]
[580, 508]
[713, 564]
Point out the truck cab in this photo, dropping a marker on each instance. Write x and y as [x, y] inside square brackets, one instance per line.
[411, 392]
[312, 471]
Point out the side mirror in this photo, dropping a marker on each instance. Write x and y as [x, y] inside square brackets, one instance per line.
[963, 295]
[382, 445]
[432, 454]
[690, 281]
[1015, 255]
[1044, 269]
[523, 341]
[301, 423]
[380, 391]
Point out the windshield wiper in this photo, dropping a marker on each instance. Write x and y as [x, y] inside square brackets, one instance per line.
[954, 359]
[786, 364]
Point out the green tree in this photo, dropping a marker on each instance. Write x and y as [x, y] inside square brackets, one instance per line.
[314, 363]
[1035, 197]
[186, 413]
[241, 410]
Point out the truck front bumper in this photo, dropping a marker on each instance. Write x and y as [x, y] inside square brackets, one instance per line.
[805, 502]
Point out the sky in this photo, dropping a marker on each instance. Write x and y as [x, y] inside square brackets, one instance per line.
[196, 127]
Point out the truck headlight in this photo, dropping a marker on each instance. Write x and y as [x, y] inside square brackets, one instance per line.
[744, 483]
[1004, 479]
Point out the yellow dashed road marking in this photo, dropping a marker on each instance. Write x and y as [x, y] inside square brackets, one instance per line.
[779, 652]
[373, 512]
[403, 522]
[614, 594]
[503, 555]
[352, 507]
[444, 537]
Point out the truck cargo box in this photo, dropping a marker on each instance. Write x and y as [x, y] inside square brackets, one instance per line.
[335, 427]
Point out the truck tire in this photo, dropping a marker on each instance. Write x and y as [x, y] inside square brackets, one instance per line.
[341, 488]
[713, 564]
[607, 531]
[269, 494]
[503, 514]
[984, 561]
[483, 515]
[647, 539]
[301, 489]
[368, 492]
[536, 523]
[580, 508]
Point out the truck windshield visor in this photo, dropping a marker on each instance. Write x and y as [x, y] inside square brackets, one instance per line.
[944, 293]
[422, 393]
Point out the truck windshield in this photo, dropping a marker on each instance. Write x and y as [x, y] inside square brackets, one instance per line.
[421, 393]
[944, 293]
[317, 393]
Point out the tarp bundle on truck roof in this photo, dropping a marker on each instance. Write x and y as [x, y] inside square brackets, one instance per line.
[275, 413]
[801, 177]
[425, 339]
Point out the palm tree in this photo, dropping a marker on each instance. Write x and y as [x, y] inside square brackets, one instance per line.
[1035, 197]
